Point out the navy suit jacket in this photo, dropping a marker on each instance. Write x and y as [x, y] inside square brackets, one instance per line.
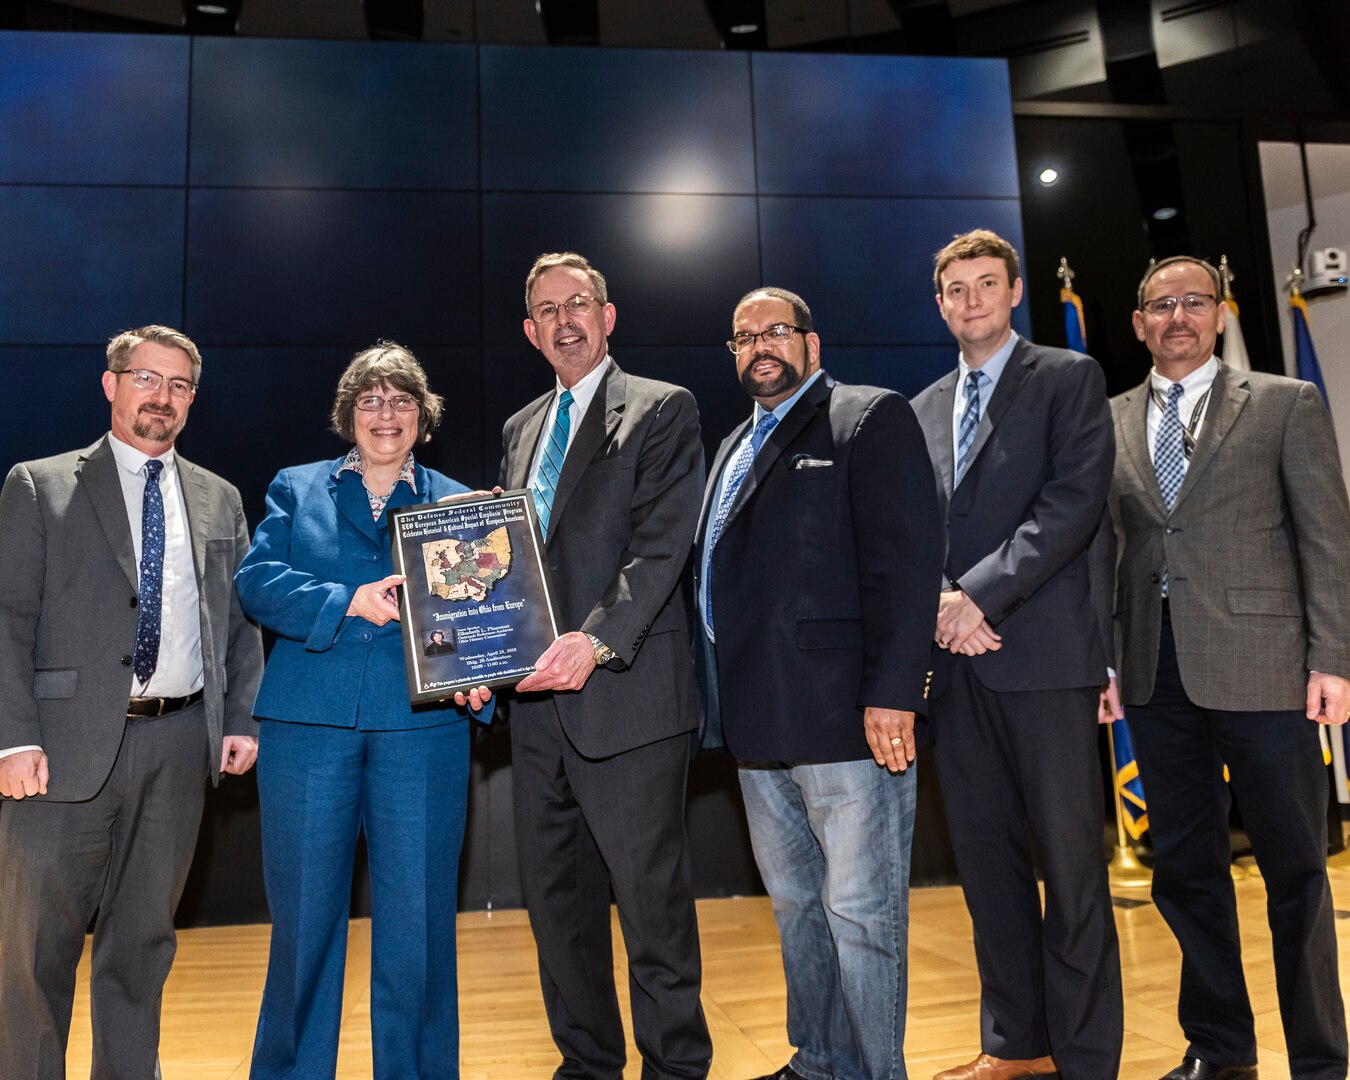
[1020, 522]
[825, 577]
[316, 545]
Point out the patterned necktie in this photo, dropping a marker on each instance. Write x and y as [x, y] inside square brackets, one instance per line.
[550, 465]
[970, 421]
[1169, 455]
[736, 473]
[145, 656]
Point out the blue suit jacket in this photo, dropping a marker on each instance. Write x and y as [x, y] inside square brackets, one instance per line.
[316, 545]
[1020, 522]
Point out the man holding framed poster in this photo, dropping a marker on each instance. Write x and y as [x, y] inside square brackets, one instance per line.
[600, 732]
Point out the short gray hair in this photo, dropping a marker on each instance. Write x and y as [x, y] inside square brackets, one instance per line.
[1172, 260]
[551, 259]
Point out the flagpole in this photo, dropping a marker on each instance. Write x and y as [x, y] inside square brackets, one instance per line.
[1124, 869]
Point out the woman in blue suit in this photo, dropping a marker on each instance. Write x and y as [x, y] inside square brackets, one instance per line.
[342, 750]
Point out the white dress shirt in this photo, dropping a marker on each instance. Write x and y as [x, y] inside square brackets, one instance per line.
[582, 393]
[1195, 389]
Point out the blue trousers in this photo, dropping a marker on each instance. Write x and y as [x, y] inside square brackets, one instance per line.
[832, 842]
[319, 787]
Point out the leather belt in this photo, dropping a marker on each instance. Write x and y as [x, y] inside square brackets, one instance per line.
[160, 706]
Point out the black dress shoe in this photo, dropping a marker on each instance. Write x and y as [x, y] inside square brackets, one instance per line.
[787, 1072]
[1192, 1068]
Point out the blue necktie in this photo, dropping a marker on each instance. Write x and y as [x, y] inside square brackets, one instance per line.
[970, 422]
[736, 473]
[1169, 455]
[145, 656]
[550, 465]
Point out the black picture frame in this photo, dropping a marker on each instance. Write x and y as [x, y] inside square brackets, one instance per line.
[493, 608]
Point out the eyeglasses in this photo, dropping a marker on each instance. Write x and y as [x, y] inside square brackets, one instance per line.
[777, 334]
[375, 403]
[150, 381]
[1192, 304]
[581, 304]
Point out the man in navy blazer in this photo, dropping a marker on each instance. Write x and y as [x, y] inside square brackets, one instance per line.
[819, 561]
[1020, 437]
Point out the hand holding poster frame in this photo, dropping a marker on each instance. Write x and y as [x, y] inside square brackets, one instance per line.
[477, 608]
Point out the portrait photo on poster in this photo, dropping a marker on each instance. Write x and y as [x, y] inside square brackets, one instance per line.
[477, 608]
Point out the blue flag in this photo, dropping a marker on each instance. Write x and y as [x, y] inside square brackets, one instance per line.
[1129, 788]
[1305, 356]
[1075, 332]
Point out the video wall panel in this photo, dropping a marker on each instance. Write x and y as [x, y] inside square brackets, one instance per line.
[78, 263]
[616, 120]
[93, 109]
[334, 114]
[307, 267]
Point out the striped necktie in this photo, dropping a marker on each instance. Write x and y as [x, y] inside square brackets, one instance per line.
[145, 656]
[550, 465]
[970, 422]
[737, 471]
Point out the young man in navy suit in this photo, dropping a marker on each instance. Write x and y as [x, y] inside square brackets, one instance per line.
[1020, 437]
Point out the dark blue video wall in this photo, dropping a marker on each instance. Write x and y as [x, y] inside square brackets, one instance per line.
[287, 203]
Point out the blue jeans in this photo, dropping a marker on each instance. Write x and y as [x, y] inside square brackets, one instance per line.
[832, 843]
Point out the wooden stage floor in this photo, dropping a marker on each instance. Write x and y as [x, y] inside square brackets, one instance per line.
[211, 1001]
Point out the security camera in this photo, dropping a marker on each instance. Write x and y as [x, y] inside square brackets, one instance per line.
[1328, 275]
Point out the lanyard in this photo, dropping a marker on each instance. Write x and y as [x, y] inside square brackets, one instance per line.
[1188, 435]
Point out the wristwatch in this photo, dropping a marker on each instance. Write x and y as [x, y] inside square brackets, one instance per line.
[603, 653]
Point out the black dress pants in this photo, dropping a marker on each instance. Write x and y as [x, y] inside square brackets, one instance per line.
[1276, 769]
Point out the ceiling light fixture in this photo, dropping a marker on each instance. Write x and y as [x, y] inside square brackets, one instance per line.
[745, 28]
[212, 9]
[1048, 177]
[1165, 213]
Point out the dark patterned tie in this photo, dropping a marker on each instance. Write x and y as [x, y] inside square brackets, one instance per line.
[738, 469]
[1169, 455]
[145, 656]
[970, 421]
[550, 465]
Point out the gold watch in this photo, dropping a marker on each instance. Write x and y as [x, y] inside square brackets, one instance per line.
[603, 653]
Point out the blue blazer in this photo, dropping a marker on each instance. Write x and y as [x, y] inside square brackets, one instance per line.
[316, 545]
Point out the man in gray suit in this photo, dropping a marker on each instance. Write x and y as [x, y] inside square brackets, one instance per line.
[600, 732]
[127, 672]
[1233, 630]
[1020, 437]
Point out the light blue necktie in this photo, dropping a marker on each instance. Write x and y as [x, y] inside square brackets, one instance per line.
[970, 421]
[1169, 455]
[550, 465]
[736, 473]
[145, 656]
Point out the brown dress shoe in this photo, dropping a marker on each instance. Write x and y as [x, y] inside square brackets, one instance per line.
[986, 1067]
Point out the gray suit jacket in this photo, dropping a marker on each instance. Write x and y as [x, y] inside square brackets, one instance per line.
[620, 532]
[68, 614]
[1257, 548]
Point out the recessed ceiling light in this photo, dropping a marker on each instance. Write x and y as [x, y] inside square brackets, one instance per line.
[745, 28]
[1048, 177]
[212, 9]
[1165, 213]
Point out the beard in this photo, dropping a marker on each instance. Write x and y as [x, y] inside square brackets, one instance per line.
[155, 426]
[786, 379]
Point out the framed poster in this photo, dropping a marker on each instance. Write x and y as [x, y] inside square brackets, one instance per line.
[477, 608]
